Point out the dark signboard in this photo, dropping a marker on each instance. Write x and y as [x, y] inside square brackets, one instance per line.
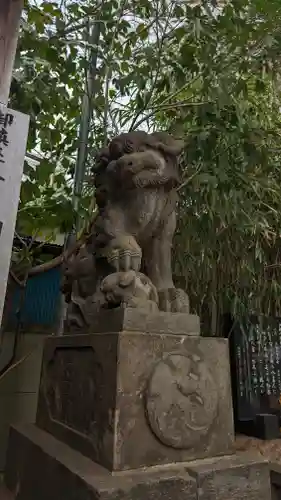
[255, 355]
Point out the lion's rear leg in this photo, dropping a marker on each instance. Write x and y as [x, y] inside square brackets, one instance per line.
[157, 266]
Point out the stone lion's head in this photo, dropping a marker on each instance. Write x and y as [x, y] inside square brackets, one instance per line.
[137, 159]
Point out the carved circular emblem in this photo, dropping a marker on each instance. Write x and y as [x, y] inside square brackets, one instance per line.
[181, 401]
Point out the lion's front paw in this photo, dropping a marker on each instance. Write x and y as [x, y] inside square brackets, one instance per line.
[124, 254]
[173, 300]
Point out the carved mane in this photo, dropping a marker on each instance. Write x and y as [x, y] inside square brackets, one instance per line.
[135, 142]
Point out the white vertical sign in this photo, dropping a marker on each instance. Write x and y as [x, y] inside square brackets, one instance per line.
[13, 137]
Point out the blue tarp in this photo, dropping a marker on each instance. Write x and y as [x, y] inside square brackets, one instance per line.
[42, 300]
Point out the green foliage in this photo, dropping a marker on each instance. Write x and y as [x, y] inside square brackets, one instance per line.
[208, 71]
[227, 246]
[59, 61]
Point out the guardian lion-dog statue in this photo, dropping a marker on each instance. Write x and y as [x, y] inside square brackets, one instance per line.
[126, 259]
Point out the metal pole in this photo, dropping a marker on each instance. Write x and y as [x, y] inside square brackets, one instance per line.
[80, 167]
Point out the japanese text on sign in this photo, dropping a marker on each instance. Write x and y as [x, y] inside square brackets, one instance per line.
[13, 138]
[6, 120]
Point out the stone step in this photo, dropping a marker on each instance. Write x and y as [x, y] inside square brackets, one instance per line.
[59, 472]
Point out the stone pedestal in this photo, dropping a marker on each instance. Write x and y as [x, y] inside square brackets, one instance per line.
[39, 467]
[131, 399]
[134, 412]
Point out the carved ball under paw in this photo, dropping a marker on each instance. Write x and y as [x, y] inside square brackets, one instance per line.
[129, 289]
[173, 300]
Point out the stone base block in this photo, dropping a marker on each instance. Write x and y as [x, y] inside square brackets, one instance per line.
[131, 399]
[128, 319]
[241, 477]
[40, 467]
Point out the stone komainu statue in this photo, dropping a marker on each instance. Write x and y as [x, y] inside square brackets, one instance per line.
[126, 260]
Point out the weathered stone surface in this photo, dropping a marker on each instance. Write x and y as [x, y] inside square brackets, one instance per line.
[132, 399]
[239, 477]
[40, 467]
[271, 450]
[126, 257]
[189, 383]
[77, 394]
[120, 319]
